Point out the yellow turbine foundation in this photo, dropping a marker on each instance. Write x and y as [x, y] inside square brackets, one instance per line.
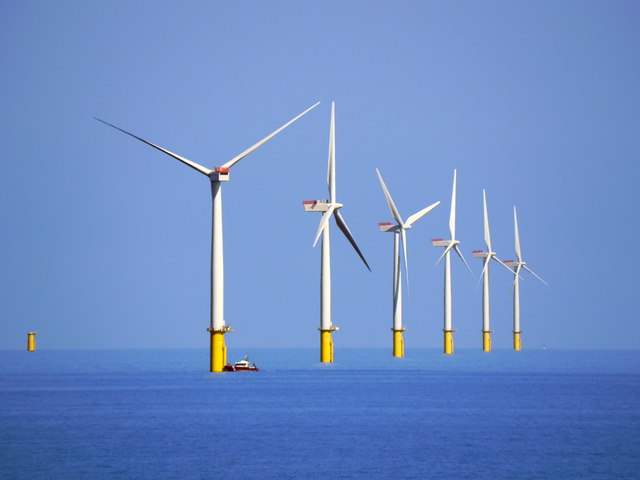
[448, 341]
[517, 344]
[398, 343]
[326, 345]
[486, 341]
[217, 349]
[31, 341]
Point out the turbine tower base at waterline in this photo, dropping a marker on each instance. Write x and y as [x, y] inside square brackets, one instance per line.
[398, 342]
[517, 343]
[486, 340]
[448, 341]
[217, 349]
[326, 344]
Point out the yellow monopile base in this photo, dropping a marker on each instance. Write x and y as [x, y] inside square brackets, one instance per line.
[217, 351]
[448, 342]
[31, 341]
[486, 341]
[517, 344]
[398, 343]
[326, 346]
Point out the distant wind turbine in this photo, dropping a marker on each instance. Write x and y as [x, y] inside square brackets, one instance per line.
[449, 245]
[217, 328]
[399, 230]
[517, 266]
[329, 209]
[488, 256]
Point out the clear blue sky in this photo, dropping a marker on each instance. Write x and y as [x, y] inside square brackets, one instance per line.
[105, 242]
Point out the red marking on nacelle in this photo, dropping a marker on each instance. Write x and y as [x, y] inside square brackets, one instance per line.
[477, 251]
[309, 202]
[221, 169]
[437, 239]
[384, 224]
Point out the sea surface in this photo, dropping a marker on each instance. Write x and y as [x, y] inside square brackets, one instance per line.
[159, 414]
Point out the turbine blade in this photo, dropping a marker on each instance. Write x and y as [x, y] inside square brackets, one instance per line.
[403, 234]
[191, 164]
[237, 158]
[516, 275]
[534, 274]
[417, 216]
[392, 206]
[485, 267]
[462, 258]
[396, 284]
[452, 215]
[517, 236]
[448, 249]
[323, 223]
[343, 226]
[518, 268]
[502, 263]
[487, 235]
[331, 168]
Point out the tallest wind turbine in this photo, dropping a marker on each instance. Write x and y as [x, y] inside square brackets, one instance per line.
[217, 328]
[329, 209]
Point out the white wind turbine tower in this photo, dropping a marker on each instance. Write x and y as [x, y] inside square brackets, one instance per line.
[488, 256]
[399, 230]
[517, 266]
[328, 209]
[449, 245]
[217, 328]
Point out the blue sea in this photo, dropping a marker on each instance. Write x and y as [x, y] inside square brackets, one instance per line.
[159, 414]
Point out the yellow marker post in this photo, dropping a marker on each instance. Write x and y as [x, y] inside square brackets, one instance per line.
[31, 341]
[486, 340]
[448, 342]
[398, 342]
[517, 343]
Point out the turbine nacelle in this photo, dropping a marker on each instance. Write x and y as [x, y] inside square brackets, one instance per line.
[219, 174]
[440, 242]
[320, 205]
[388, 227]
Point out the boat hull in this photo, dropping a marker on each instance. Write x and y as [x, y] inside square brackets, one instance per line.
[239, 368]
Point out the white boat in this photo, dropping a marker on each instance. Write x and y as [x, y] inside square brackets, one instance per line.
[241, 366]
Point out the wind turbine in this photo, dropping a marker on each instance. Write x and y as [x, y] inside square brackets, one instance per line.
[399, 230]
[517, 266]
[449, 245]
[329, 208]
[217, 328]
[488, 256]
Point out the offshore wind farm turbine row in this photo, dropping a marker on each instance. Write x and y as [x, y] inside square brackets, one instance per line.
[449, 245]
[330, 208]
